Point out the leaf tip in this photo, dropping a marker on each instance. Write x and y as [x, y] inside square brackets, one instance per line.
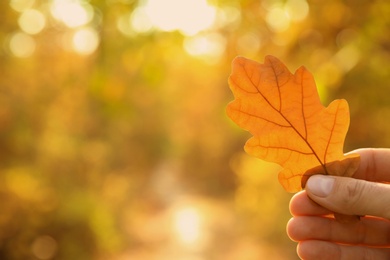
[271, 59]
[239, 60]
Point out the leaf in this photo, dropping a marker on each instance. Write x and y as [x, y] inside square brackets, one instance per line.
[289, 124]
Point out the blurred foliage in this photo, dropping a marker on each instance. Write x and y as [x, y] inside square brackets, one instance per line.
[114, 142]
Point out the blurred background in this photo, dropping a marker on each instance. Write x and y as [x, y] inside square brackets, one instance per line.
[114, 143]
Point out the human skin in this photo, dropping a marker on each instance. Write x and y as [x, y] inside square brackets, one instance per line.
[321, 236]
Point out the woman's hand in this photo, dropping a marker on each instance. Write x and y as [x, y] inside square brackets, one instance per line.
[320, 236]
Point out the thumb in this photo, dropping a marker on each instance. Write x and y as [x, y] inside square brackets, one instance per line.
[350, 196]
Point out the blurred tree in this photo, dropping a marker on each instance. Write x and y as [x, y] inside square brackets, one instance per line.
[113, 130]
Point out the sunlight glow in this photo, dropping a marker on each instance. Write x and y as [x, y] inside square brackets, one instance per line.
[189, 17]
[72, 13]
[32, 21]
[187, 224]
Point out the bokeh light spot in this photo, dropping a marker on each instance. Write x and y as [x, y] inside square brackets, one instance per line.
[124, 26]
[187, 224]
[209, 47]
[228, 16]
[249, 43]
[22, 45]
[71, 13]
[278, 19]
[32, 21]
[140, 20]
[85, 41]
[21, 5]
[189, 17]
[44, 247]
[21, 183]
[347, 57]
[297, 9]
[347, 36]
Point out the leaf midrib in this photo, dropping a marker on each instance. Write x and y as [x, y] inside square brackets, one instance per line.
[292, 126]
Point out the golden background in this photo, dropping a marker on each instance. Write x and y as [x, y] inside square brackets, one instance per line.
[114, 142]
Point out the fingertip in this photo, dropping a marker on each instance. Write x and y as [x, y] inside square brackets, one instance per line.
[291, 229]
[302, 205]
[301, 249]
[296, 201]
[315, 249]
[320, 186]
[304, 250]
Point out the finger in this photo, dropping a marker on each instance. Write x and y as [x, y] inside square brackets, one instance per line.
[368, 231]
[374, 164]
[350, 196]
[301, 204]
[322, 250]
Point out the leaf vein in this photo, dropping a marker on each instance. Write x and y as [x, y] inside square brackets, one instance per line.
[283, 148]
[285, 118]
[262, 118]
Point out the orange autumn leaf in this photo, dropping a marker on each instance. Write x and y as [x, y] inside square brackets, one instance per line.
[289, 124]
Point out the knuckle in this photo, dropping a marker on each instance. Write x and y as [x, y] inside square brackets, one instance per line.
[354, 191]
[359, 197]
[386, 215]
[385, 212]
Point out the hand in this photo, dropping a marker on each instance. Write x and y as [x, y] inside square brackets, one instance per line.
[320, 236]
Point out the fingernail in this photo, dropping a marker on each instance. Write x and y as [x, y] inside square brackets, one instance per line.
[320, 185]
